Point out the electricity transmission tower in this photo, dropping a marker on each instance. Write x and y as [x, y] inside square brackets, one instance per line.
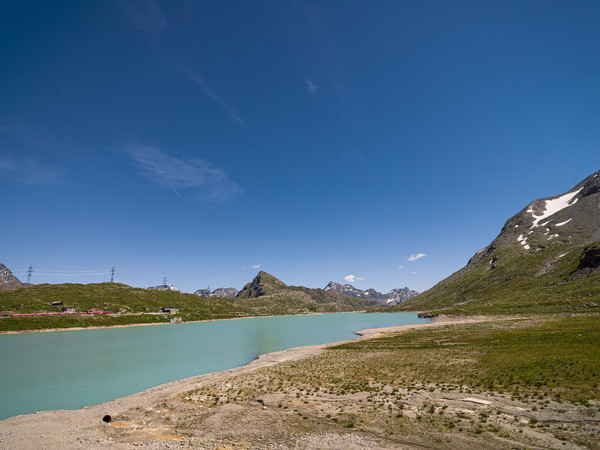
[112, 274]
[29, 272]
[165, 282]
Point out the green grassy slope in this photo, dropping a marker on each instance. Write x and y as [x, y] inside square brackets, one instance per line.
[125, 299]
[542, 282]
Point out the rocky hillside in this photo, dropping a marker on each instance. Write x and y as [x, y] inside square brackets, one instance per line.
[545, 259]
[8, 280]
[262, 284]
[394, 297]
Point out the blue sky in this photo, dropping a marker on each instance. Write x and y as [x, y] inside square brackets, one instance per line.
[204, 141]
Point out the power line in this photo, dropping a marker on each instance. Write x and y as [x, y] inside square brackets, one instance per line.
[69, 272]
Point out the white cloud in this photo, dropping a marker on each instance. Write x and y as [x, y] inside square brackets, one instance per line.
[256, 266]
[417, 256]
[311, 87]
[352, 278]
[400, 267]
[415, 273]
[208, 181]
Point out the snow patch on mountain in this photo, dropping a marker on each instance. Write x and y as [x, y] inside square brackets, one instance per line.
[553, 206]
[564, 223]
[164, 287]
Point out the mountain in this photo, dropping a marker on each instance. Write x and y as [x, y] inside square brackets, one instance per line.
[399, 295]
[225, 292]
[394, 297]
[219, 292]
[545, 259]
[8, 280]
[268, 288]
[164, 287]
[347, 289]
[262, 284]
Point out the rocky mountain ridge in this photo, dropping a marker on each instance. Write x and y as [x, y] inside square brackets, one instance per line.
[265, 284]
[394, 297]
[219, 292]
[546, 258]
[164, 287]
[8, 280]
[572, 218]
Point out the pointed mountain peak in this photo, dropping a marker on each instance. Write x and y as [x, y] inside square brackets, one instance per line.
[268, 278]
[7, 279]
[564, 219]
[535, 261]
[332, 286]
[589, 186]
[262, 284]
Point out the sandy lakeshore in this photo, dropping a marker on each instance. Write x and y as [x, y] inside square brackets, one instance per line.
[149, 418]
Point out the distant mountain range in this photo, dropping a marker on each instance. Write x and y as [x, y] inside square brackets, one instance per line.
[265, 284]
[394, 297]
[545, 259]
[268, 288]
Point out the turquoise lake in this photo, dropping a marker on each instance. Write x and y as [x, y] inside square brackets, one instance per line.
[72, 369]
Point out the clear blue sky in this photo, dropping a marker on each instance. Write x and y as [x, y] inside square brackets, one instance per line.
[199, 140]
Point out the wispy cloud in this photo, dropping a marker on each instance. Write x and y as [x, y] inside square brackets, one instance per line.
[400, 267]
[417, 256]
[30, 170]
[255, 266]
[352, 278]
[311, 87]
[145, 15]
[206, 180]
[213, 95]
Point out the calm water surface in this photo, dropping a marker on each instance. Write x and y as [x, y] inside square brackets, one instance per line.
[71, 369]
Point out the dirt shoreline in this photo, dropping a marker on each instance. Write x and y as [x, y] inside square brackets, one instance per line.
[84, 428]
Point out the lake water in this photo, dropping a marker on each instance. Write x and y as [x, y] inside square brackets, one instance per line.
[71, 369]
